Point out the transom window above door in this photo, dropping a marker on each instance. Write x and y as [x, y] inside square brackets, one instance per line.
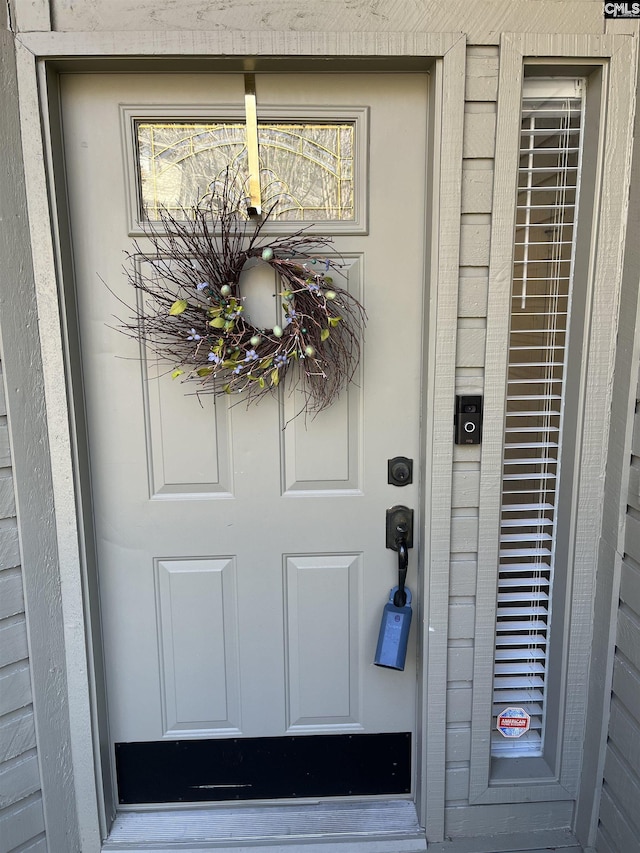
[312, 164]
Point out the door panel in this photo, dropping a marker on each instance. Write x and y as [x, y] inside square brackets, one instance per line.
[197, 631]
[241, 551]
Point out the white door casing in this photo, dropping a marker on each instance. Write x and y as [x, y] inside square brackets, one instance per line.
[242, 566]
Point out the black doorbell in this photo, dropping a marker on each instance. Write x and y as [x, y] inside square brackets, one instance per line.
[468, 419]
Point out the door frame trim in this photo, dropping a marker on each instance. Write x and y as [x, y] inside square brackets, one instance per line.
[40, 58]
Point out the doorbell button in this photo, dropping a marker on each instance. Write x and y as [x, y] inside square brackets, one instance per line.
[468, 419]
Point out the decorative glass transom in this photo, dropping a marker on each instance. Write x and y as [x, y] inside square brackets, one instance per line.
[306, 170]
[544, 248]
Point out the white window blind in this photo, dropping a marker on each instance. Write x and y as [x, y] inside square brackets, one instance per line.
[547, 200]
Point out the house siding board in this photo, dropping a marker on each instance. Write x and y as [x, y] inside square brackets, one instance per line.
[21, 816]
[619, 823]
[462, 578]
[632, 535]
[458, 742]
[514, 817]
[480, 131]
[23, 822]
[457, 783]
[461, 623]
[7, 499]
[482, 74]
[630, 586]
[633, 497]
[5, 454]
[474, 246]
[624, 786]
[459, 704]
[477, 191]
[473, 290]
[11, 594]
[13, 641]
[464, 534]
[624, 733]
[466, 486]
[460, 663]
[18, 779]
[615, 833]
[17, 734]
[628, 638]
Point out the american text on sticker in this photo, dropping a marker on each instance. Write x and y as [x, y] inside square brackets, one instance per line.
[513, 722]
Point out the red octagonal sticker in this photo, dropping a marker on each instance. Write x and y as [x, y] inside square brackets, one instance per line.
[513, 722]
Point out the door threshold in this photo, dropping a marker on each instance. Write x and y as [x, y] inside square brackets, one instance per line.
[386, 826]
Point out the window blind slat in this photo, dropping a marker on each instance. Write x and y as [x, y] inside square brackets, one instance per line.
[503, 655]
[514, 625]
[526, 507]
[520, 640]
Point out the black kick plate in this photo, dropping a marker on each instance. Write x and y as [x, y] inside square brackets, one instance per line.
[215, 770]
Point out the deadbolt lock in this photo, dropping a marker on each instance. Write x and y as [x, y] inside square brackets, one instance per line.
[400, 471]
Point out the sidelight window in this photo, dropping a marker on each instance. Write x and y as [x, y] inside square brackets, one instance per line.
[535, 429]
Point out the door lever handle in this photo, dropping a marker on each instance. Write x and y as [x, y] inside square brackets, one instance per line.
[400, 539]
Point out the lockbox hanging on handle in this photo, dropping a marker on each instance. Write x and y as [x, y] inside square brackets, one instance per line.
[393, 638]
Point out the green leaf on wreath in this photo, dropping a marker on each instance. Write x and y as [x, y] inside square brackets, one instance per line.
[218, 323]
[228, 326]
[261, 382]
[324, 334]
[328, 279]
[204, 371]
[177, 372]
[266, 362]
[226, 389]
[275, 376]
[178, 307]
[214, 312]
[333, 321]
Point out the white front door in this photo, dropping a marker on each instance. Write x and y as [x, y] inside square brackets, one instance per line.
[241, 555]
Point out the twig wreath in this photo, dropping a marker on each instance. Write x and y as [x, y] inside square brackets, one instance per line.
[190, 309]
